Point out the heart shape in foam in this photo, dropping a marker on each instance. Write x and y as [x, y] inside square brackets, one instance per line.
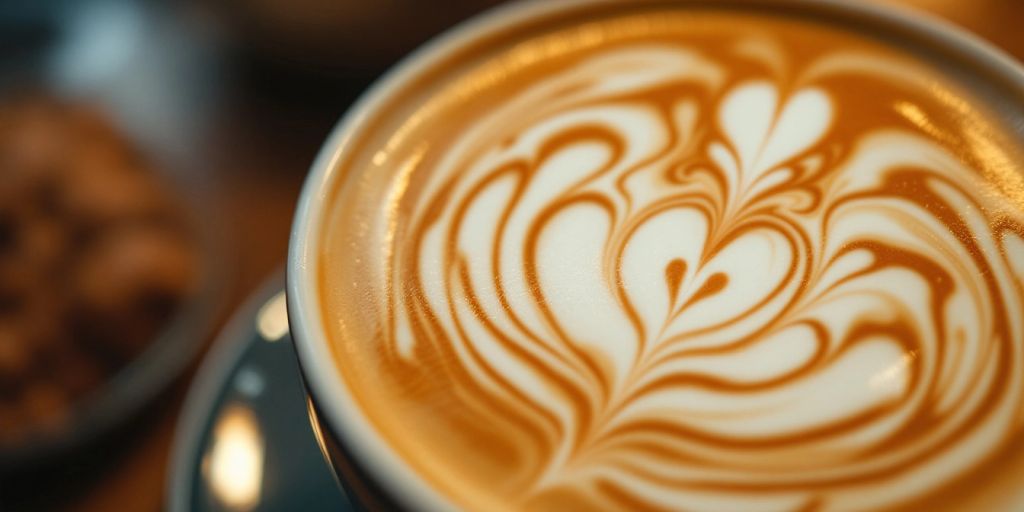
[677, 270]
[642, 306]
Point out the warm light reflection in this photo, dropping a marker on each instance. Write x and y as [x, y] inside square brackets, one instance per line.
[272, 319]
[893, 377]
[1001, 169]
[234, 465]
[916, 115]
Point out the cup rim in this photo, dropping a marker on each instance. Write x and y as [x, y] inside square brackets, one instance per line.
[322, 376]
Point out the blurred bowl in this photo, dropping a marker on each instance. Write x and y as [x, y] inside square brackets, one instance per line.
[113, 55]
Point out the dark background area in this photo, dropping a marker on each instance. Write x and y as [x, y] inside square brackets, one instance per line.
[235, 97]
[231, 97]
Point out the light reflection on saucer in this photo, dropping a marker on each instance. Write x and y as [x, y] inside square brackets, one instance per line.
[234, 464]
[244, 442]
[272, 318]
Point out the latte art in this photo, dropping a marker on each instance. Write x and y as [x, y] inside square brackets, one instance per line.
[694, 263]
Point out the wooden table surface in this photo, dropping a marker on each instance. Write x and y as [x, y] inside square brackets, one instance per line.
[265, 144]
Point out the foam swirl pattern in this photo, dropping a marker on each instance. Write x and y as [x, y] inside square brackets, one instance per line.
[677, 275]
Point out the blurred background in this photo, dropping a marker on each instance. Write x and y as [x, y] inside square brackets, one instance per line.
[151, 154]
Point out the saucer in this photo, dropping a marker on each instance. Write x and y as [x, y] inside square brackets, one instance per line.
[244, 440]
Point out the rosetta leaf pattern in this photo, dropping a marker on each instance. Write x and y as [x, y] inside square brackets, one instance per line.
[670, 286]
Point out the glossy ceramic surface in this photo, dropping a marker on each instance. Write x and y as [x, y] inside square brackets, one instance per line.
[244, 440]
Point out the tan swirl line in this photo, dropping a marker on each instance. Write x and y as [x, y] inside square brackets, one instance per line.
[597, 418]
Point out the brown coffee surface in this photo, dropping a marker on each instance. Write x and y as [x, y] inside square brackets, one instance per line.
[685, 260]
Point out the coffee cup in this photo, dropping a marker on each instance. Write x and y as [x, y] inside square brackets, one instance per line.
[667, 255]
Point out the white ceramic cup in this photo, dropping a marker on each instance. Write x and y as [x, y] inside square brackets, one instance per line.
[366, 464]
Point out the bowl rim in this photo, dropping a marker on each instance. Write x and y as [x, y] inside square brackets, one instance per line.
[232, 342]
[323, 378]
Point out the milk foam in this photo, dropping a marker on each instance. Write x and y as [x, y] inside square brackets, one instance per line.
[671, 284]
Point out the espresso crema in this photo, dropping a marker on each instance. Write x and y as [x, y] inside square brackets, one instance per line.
[684, 260]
